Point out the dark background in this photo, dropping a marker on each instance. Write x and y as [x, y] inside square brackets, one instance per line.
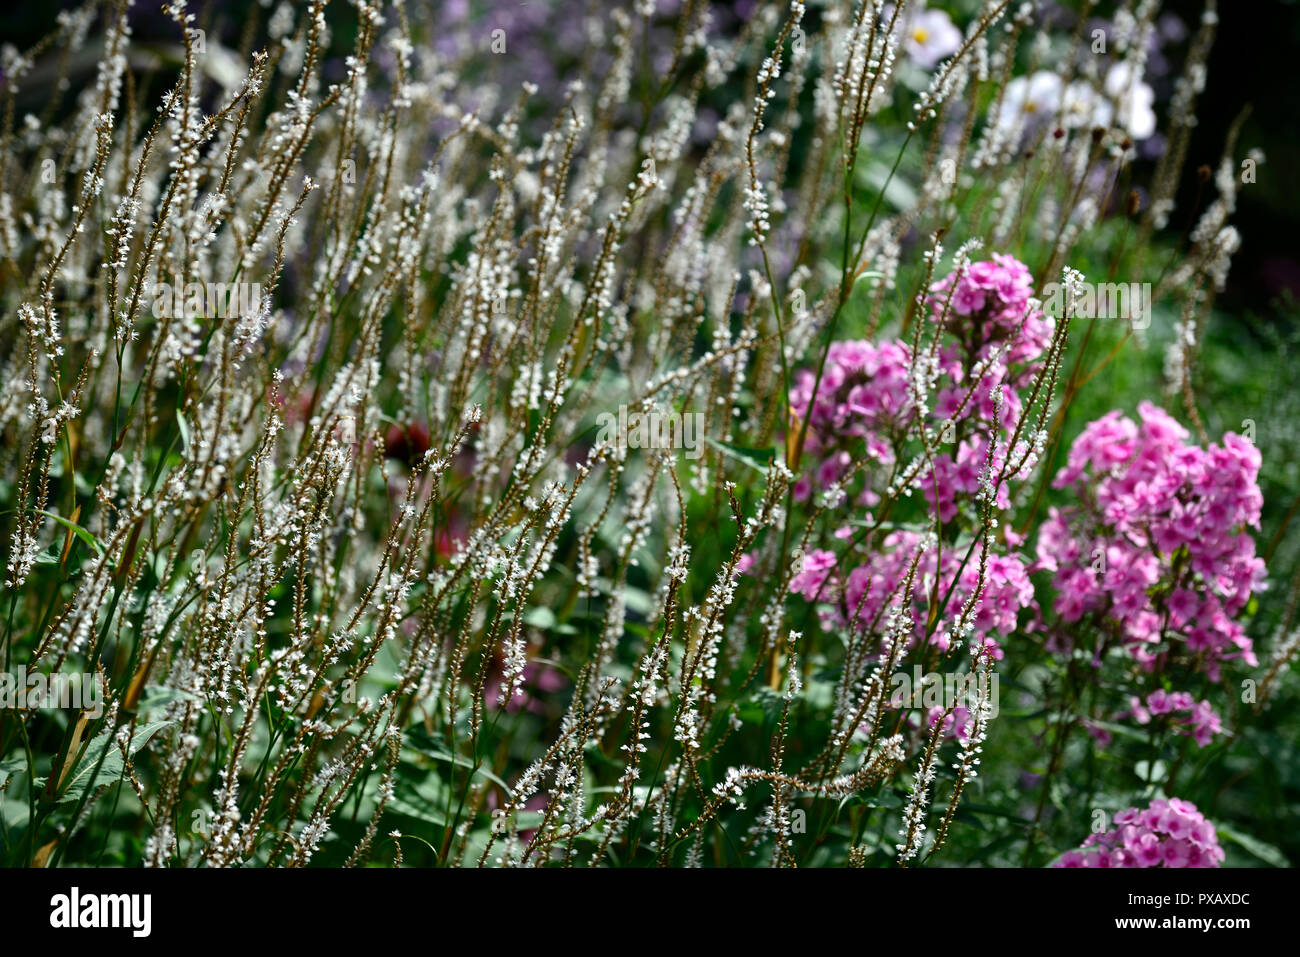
[1255, 62]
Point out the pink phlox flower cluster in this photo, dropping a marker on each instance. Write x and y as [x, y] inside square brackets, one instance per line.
[863, 396]
[960, 475]
[986, 305]
[993, 344]
[865, 404]
[1199, 718]
[811, 577]
[1169, 833]
[1001, 338]
[873, 583]
[1159, 544]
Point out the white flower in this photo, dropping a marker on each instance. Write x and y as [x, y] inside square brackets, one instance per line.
[1083, 106]
[1133, 101]
[1028, 97]
[927, 35]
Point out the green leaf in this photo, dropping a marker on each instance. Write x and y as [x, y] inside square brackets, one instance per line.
[1150, 773]
[1267, 853]
[185, 433]
[544, 618]
[461, 760]
[988, 811]
[83, 777]
[760, 459]
[418, 806]
[13, 766]
[539, 616]
[528, 820]
[76, 529]
[159, 696]
[420, 795]
[1120, 730]
[898, 193]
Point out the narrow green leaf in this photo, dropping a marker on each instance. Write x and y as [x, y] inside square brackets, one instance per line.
[1266, 852]
[76, 529]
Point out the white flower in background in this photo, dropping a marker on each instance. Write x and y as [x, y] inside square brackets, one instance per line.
[1028, 98]
[1133, 101]
[927, 35]
[1083, 106]
[1126, 102]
